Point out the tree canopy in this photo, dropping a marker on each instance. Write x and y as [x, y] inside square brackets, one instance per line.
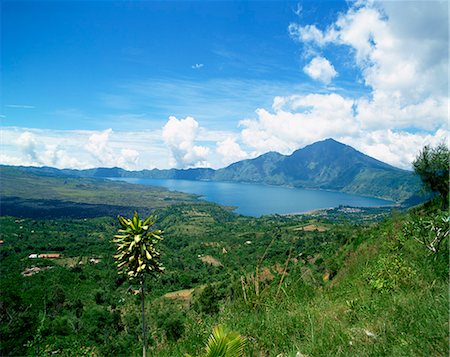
[432, 166]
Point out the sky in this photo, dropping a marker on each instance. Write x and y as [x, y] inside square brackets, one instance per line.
[162, 84]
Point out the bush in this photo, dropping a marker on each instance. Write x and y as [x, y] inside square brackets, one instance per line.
[208, 300]
[170, 319]
[389, 273]
[431, 231]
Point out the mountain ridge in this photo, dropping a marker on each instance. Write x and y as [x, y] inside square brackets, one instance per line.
[326, 164]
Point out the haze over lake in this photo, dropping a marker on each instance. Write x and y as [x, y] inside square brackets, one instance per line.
[257, 200]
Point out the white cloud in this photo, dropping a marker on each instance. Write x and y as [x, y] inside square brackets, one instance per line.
[128, 159]
[300, 120]
[396, 148]
[403, 61]
[297, 121]
[388, 111]
[180, 135]
[55, 156]
[98, 146]
[83, 149]
[402, 58]
[101, 147]
[320, 69]
[298, 9]
[197, 66]
[230, 151]
[37, 151]
[20, 106]
[310, 33]
[132, 150]
[27, 143]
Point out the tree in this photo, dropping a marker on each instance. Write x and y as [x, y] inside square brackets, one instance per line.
[432, 166]
[137, 255]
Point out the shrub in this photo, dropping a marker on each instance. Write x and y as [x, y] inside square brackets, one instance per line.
[430, 231]
[389, 273]
[208, 300]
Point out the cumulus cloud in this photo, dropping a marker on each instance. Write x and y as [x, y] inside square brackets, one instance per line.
[310, 33]
[180, 135]
[27, 143]
[98, 147]
[128, 159]
[402, 60]
[82, 149]
[300, 120]
[56, 156]
[108, 153]
[297, 121]
[197, 66]
[398, 148]
[230, 151]
[320, 69]
[401, 57]
[39, 152]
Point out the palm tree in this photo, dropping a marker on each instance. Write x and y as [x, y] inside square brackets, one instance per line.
[137, 255]
[224, 343]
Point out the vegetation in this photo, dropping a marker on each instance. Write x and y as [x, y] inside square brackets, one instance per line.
[223, 343]
[344, 282]
[432, 165]
[39, 194]
[137, 255]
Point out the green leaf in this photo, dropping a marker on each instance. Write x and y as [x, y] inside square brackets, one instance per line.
[148, 221]
[222, 343]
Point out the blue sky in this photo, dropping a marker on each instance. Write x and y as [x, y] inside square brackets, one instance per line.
[143, 84]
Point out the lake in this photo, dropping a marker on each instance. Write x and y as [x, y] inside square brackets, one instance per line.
[257, 200]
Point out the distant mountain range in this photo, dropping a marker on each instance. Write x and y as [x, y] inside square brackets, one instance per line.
[326, 164]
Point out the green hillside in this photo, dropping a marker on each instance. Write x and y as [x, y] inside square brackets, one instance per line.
[328, 165]
[34, 192]
[377, 293]
[335, 282]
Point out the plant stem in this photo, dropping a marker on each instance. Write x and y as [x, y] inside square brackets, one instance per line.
[144, 340]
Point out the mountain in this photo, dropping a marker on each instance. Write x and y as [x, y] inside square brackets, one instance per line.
[326, 164]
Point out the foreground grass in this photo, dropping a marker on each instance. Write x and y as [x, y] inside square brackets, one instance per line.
[389, 298]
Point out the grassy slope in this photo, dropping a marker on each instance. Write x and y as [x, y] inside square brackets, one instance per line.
[346, 316]
[396, 186]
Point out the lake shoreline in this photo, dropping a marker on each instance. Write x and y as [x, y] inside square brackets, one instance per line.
[261, 199]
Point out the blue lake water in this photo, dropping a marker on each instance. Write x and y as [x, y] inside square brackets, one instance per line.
[257, 200]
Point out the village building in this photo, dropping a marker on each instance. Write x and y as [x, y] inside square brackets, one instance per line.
[50, 256]
[45, 256]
